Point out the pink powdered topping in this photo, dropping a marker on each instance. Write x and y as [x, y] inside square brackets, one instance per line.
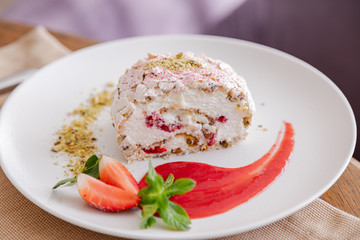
[159, 122]
[210, 73]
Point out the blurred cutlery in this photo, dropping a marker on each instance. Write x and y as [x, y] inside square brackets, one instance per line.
[15, 79]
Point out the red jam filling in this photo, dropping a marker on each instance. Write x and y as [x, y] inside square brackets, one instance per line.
[157, 121]
[155, 150]
[212, 140]
[221, 119]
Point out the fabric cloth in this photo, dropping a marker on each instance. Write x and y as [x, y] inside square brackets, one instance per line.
[33, 50]
[21, 219]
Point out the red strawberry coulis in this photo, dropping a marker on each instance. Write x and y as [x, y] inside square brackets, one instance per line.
[220, 189]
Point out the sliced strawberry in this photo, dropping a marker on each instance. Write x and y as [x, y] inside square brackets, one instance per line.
[103, 196]
[114, 173]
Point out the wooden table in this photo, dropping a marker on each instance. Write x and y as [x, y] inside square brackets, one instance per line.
[344, 194]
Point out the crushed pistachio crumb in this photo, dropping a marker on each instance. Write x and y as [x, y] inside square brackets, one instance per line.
[76, 139]
[110, 84]
[173, 64]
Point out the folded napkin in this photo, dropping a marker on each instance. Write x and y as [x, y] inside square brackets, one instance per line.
[21, 219]
[33, 50]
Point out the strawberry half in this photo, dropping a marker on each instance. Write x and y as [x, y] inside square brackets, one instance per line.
[114, 173]
[103, 196]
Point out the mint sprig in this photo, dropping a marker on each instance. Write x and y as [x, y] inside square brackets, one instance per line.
[155, 199]
[91, 168]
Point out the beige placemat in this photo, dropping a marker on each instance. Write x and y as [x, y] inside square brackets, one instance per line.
[21, 219]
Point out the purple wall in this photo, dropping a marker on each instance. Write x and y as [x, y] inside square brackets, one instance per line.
[324, 33]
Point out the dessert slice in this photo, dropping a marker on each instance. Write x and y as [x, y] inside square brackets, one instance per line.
[177, 104]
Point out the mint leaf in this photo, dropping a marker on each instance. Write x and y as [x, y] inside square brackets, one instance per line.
[93, 171]
[158, 185]
[66, 182]
[148, 215]
[149, 210]
[147, 222]
[91, 168]
[148, 196]
[155, 199]
[150, 177]
[163, 201]
[175, 216]
[92, 161]
[180, 186]
[169, 181]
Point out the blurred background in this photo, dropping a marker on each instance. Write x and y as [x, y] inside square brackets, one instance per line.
[324, 33]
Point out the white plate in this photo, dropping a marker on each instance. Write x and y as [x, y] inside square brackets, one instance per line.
[284, 88]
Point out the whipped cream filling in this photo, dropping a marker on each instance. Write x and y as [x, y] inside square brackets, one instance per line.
[215, 105]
